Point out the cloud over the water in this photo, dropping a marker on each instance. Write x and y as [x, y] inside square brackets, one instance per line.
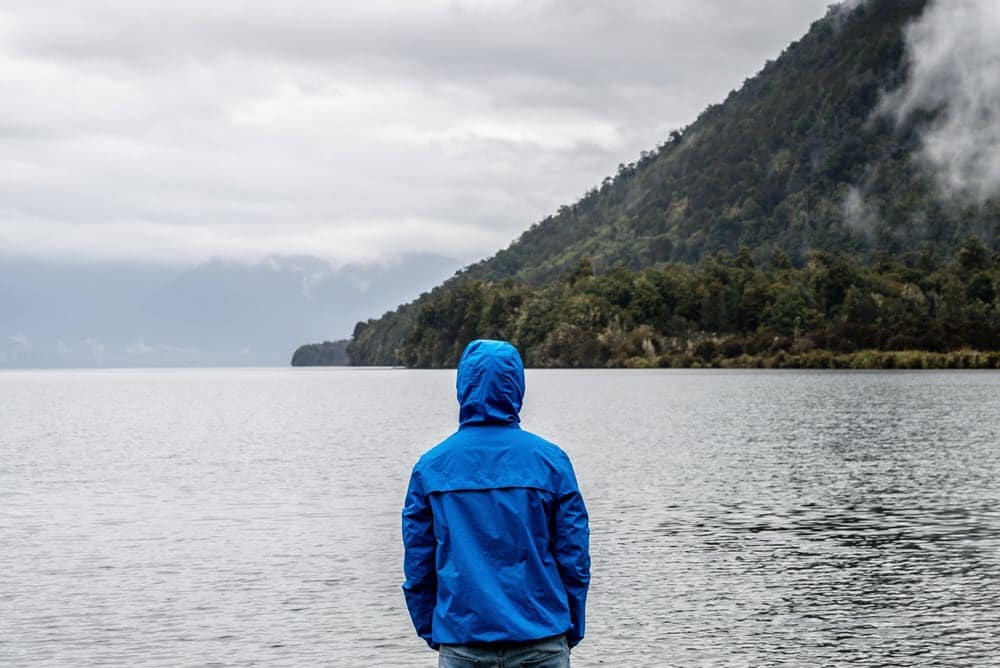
[954, 56]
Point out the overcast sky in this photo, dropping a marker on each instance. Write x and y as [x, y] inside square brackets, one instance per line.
[172, 132]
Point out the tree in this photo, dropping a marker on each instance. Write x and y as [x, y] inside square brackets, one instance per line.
[779, 260]
[972, 255]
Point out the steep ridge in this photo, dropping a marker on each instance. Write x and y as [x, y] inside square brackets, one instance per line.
[772, 166]
[798, 161]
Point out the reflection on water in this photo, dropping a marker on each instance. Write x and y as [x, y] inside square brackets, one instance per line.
[250, 517]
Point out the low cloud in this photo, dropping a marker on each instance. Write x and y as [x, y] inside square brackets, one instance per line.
[954, 74]
[840, 13]
[86, 351]
[19, 343]
[360, 243]
[142, 349]
[859, 215]
[139, 348]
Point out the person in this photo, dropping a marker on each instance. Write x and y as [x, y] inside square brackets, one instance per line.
[495, 531]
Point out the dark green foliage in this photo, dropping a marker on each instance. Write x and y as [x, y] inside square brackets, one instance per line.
[973, 255]
[328, 353]
[721, 312]
[374, 343]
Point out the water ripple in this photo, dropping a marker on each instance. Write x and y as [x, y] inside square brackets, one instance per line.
[250, 517]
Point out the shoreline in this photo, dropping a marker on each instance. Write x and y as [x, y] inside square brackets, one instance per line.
[826, 359]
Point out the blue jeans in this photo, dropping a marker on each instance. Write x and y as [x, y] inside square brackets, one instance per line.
[546, 653]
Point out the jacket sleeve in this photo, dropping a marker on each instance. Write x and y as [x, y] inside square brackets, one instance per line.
[572, 552]
[420, 587]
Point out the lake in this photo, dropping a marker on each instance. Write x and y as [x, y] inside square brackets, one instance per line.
[250, 517]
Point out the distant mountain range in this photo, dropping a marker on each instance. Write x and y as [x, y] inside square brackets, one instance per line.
[218, 313]
[819, 152]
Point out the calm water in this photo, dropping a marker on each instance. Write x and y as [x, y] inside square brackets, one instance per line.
[250, 517]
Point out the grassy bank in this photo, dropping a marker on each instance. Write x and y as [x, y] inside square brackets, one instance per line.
[824, 359]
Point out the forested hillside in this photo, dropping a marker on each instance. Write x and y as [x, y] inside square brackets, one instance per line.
[799, 167]
[726, 312]
[796, 159]
[328, 353]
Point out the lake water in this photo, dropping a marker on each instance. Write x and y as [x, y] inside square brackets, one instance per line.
[250, 517]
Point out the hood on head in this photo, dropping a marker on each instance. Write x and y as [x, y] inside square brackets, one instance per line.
[490, 383]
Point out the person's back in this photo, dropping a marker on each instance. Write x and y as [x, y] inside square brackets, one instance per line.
[495, 530]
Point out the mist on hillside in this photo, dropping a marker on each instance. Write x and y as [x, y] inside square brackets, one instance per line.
[953, 51]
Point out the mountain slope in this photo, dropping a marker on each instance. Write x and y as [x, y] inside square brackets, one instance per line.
[798, 160]
[773, 166]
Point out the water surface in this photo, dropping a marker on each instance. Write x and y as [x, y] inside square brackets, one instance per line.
[251, 517]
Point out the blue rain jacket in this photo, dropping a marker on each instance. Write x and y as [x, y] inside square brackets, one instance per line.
[495, 531]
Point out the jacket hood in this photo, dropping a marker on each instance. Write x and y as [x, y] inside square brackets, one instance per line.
[490, 383]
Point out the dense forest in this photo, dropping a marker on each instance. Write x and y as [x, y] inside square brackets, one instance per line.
[725, 311]
[328, 353]
[790, 224]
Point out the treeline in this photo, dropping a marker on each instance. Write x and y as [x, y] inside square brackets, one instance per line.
[328, 353]
[915, 311]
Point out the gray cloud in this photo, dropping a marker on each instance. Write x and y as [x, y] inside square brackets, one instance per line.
[174, 132]
[954, 54]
